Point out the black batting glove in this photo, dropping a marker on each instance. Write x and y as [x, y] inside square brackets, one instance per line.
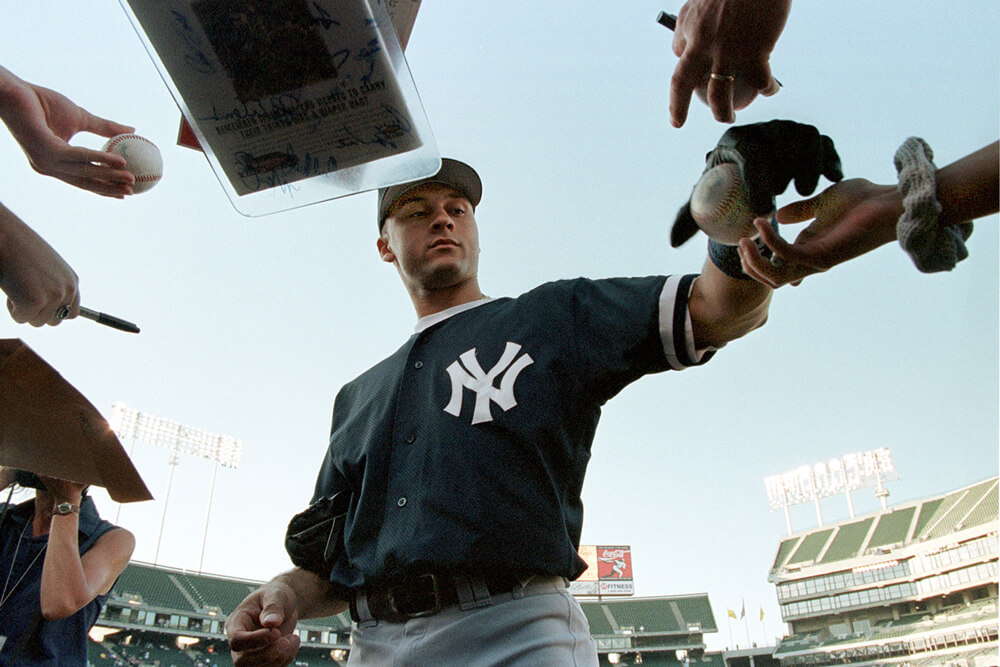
[769, 156]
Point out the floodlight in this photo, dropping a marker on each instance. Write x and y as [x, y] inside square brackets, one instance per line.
[179, 439]
[842, 475]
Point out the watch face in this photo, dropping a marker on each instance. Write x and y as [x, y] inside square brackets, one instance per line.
[64, 508]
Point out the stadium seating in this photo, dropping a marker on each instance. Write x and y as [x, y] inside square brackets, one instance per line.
[811, 547]
[892, 528]
[848, 541]
[157, 587]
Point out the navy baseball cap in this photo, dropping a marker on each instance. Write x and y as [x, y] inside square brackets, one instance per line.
[457, 174]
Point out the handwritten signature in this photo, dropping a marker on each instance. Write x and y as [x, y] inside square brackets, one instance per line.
[195, 57]
[280, 169]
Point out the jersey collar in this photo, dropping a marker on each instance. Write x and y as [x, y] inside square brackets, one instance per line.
[430, 320]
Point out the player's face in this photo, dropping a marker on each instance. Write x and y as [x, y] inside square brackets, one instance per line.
[431, 236]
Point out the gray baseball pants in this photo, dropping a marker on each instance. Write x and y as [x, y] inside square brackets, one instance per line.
[539, 624]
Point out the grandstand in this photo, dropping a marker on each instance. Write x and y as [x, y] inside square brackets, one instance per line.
[915, 584]
[164, 616]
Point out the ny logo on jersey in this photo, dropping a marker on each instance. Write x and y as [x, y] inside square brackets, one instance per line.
[466, 372]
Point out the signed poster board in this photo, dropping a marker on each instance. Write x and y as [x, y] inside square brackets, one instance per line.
[293, 101]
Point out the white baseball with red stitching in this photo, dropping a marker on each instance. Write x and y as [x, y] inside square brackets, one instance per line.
[142, 158]
[720, 205]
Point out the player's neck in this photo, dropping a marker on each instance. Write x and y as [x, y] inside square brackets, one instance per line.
[430, 301]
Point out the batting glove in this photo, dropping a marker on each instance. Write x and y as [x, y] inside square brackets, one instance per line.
[769, 155]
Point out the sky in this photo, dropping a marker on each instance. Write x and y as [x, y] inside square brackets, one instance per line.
[251, 325]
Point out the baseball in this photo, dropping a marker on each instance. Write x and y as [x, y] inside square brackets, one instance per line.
[743, 94]
[142, 158]
[720, 205]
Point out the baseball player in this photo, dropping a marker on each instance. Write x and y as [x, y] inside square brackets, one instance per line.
[459, 460]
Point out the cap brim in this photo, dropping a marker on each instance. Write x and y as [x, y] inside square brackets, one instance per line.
[453, 173]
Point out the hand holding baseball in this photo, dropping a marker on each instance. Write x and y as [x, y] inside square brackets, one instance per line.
[43, 121]
[750, 166]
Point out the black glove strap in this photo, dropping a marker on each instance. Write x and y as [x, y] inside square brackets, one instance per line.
[727, 257]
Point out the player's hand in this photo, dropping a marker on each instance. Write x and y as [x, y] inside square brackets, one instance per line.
[37, 281]
[260, 630]
[769, 155]
[849, 219]
[43, 121]
[728, 38]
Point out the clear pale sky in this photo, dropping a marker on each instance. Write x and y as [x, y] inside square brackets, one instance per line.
[250, 326]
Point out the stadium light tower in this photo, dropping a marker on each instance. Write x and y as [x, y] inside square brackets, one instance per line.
[844, 475]
[179, 439]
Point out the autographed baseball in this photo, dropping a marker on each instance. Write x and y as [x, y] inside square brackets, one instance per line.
[720, 205]
[142, 158]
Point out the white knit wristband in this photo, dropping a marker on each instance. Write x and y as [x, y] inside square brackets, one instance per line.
[931, 246]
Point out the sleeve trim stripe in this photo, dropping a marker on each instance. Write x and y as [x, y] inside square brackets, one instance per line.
[675, 324]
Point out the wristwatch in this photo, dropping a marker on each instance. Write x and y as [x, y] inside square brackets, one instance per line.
[62, 509]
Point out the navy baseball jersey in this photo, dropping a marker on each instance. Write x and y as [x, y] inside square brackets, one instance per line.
[466, 449]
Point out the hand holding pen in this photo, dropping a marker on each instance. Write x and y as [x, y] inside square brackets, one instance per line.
[724, 50]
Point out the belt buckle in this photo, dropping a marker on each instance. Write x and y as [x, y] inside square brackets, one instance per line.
[434, 590]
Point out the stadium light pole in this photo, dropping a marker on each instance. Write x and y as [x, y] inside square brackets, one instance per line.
[179, 439]
[843, 475]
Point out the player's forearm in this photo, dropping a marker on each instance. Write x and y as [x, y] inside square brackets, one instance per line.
[313, 595]
[724, 308]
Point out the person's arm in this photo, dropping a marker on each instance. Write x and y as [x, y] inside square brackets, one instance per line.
[69, 581]
[723, 308]
[856, 216]
[36, 280]
[43, 121]
[260, 629]
[969, 188]
[732, 39]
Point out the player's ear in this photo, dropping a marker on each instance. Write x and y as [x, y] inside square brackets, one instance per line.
[384, 251]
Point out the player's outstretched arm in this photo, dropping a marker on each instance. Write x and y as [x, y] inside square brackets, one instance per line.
[724, 308]
[725, 302]
[43, 121]
[36, 280]
[260, 630]
[856, 216]
[732, 39]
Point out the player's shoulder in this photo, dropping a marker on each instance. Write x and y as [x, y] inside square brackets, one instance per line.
[583, 288]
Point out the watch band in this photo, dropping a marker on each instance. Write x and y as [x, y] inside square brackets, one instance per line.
[62, 509]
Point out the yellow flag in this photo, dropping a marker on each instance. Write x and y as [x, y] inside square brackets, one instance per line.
[762, 613]
[731, 613]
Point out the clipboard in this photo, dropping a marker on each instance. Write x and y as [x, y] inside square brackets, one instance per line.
[293, 101]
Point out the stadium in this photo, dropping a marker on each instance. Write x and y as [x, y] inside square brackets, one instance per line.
[915, 585]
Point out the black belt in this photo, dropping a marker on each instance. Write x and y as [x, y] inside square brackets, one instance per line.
[427, 594]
